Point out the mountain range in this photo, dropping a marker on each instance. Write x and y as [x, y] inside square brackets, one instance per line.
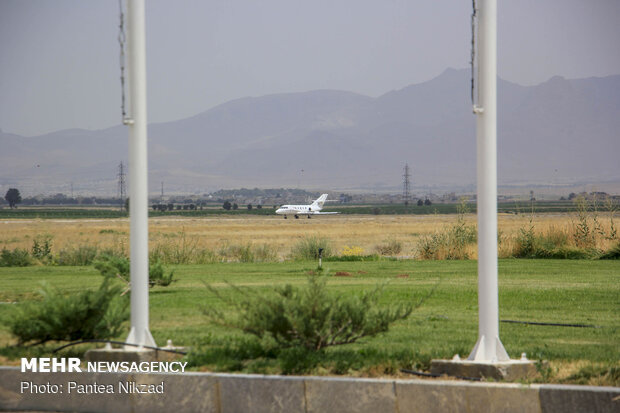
[558, 132]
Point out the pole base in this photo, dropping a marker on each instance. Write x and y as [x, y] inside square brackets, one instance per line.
[509, 370]
[144, 339]
[488, 349]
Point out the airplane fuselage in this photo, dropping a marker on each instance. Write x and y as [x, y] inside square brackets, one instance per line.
[308, 210]
[297, 210]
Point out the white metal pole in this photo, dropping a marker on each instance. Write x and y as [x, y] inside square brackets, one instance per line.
[489, 348]
[138, 170]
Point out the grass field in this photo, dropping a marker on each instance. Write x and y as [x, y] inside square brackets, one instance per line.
[205, 239]
[202, 250]
[557, 291]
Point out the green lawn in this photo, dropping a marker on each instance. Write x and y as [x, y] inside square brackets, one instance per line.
[556, 291]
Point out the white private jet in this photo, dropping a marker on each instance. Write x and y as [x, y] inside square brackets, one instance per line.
[312, 209]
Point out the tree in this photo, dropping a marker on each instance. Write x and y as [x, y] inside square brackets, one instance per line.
[227, 205]
[427, 202]
[420, 202]
[310, 316]
[13, 197]
[235, 206]
[249, 207]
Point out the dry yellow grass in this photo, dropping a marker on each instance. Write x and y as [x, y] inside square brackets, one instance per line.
[360, 232]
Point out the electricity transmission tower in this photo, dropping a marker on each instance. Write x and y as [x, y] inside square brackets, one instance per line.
[406, 184]
[121, 188]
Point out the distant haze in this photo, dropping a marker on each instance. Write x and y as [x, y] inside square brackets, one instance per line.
[561, 132]
[59, 60]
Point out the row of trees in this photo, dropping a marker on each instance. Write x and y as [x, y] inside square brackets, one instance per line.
[420, 202]
[228, 206]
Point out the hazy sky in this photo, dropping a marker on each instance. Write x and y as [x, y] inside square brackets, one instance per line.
[59, 59]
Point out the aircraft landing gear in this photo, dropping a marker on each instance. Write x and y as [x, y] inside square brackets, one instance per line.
[308, 216]
[296, 216]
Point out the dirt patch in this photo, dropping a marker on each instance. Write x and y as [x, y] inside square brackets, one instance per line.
[343, 274]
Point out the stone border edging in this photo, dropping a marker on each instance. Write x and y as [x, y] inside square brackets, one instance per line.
[225, 393]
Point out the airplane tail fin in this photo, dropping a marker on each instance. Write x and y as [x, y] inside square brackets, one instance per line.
[320, 201]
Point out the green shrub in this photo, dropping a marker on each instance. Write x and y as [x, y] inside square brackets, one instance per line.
[88, 314]
[119, 267]
[42, 248]
[308, 248]
[15, 258]
[158, 276]
[82, 255]
[113, 266]
[309, 317]
[429, 245]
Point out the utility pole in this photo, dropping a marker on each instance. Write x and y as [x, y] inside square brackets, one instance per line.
[488, 358]
[121, 185]
[138, 172]
[406, 185]
[489, 347]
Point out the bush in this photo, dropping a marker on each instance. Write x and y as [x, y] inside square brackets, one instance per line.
[42, 248]
[451, 244]
[181, 250]
[308, 248]
[111, 266]
[89, 314]
[15, 258]
[612, 254]
[429, 246]
[445, 246]
[308, 317]
[389, 247]
[554, 244]
[82, 255]
[158, 276]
